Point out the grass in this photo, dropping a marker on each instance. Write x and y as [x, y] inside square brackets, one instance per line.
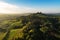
[15, 34]
[2, 35]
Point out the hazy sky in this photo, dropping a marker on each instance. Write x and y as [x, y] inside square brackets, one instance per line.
[25, 6]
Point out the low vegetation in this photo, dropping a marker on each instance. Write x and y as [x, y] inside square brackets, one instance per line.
[37, 26]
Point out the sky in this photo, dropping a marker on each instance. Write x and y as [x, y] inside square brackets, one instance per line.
[29, 6]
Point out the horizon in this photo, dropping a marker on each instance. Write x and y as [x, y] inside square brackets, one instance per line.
[29, 6]
[24, 13]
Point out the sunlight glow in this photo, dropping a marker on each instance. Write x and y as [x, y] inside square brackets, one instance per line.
[7, 8]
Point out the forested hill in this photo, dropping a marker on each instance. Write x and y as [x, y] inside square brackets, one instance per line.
[37, 26]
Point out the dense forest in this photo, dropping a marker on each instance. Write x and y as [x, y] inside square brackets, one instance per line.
[36, 26]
